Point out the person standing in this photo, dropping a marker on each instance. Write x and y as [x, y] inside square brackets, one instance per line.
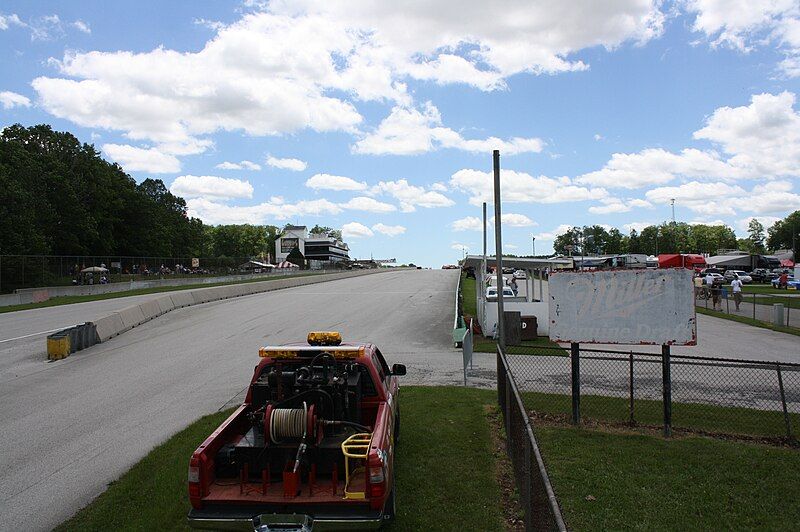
[736, 286]
[698, 286]
[709, 285]
[715, 296]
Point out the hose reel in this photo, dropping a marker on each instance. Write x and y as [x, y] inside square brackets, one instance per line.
[282, 424]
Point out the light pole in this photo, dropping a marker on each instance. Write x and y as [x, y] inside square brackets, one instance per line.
[533, 245]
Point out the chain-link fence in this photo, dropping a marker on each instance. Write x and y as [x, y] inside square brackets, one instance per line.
[536, 494]
[715, 395]
[759, 307]
[33, 271]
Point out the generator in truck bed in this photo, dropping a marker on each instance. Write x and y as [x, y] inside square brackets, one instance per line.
[312, 447]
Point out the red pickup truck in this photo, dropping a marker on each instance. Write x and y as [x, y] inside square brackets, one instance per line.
[311, 447]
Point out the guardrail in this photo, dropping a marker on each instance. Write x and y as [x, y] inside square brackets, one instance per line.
[458, 320]
[126, 319]
[536, 495]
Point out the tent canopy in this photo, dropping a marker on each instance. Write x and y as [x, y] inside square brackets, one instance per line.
[94, 269]
[287, 264]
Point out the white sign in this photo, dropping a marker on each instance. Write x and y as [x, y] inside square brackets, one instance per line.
[195, 263]
[623, 307]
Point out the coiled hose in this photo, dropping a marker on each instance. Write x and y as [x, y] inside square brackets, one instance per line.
[287, 423]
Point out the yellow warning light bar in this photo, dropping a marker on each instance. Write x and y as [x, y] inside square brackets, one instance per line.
[324, 338]
[279, 352]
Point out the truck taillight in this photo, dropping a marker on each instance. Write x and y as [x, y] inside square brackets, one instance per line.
[194, 474]
[377, 475]
[195, 487]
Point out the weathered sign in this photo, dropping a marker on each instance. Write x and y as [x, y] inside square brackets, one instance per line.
[623, 307]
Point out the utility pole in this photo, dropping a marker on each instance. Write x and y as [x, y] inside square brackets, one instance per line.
[672, 202]
[498, 243]
[483, 264]
[533, 245]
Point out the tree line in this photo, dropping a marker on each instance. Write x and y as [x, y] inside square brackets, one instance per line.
[679, 237]
[60, 197]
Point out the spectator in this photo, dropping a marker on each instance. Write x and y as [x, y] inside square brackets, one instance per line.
[715, 296]
[513, 285]
[709, 284]
[783, 280]
[698, 286]
[736, 286]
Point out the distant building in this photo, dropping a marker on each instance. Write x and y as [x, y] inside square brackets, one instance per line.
[316, 248]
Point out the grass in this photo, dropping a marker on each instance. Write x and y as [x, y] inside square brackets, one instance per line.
[764, 289]
[488, 345]
[749, 321]
[445, 471]
[68, 300]
[615, 481]
[469, 301]
[685, 416]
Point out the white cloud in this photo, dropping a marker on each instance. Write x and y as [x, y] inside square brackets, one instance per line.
[722, 199]
[9, 100]
[515, 220]
[551, 235]
[637, 226]
[757, 141]
[356, 230]
[767, 221]
[296, 165]
[409, 131]
[276, 209]
[6, 21]
[334, 182]
[81, 26]
[747, 25]
[411, 196]
[612, 205]
[133, 159]
[470, 223]
[242, 165]
[389, 230]
[363, 203]
[439, 187]
[598, 136]
[459, 246]
[519, 187]
[209, 186]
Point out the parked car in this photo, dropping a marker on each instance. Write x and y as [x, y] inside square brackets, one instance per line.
[791, 283]
[491, 293]
[762, 275]
[730, 275]
[520, 274]
[710, 270]
[718, 278]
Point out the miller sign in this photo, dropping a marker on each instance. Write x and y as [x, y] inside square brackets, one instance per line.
[623, 307]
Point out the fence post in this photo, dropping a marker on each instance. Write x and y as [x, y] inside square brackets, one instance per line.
[527, 487]
[576, 383]
[630, 386]
[754, 307]
[667, 387]
[783, 403]
[788, 309]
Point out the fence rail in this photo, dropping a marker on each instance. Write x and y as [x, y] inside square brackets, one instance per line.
[711, 394]
[536, 494]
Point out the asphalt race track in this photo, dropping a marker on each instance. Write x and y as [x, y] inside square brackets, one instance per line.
[71, 427]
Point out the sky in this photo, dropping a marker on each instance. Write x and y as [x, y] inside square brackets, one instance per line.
[379, 118]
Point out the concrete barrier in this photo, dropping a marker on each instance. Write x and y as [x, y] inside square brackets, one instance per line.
[124, 320]
[182, 299]
[150, 309]
[109, 327]
[131, 317]
[165, 304]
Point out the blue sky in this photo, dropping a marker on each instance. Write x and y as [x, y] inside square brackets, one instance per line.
[380, 119]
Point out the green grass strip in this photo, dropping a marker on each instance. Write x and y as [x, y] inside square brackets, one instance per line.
[749, 321]
[611, 481]
[444, 467]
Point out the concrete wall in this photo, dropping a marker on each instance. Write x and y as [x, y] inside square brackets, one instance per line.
[36, 295]
[124, 320]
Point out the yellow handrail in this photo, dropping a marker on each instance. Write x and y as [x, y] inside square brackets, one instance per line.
[356, 446]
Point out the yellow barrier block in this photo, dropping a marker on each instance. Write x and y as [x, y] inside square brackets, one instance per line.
[58, 347]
